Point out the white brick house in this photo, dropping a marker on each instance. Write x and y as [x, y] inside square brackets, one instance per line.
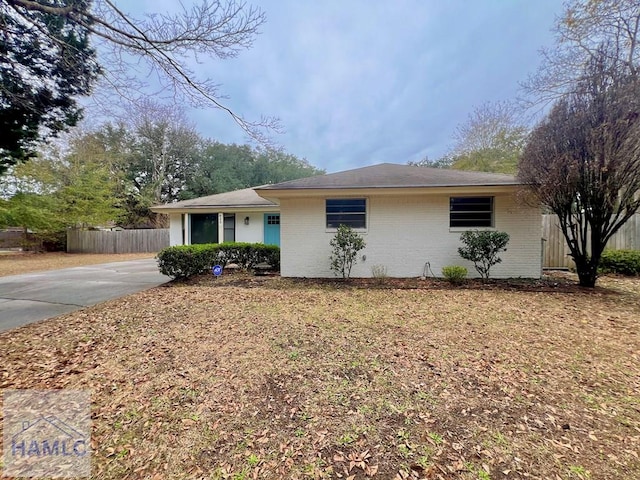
[409, 217]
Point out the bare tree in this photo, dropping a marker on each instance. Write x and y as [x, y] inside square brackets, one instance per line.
[442, 162]
[491, 139]
[160, 45]
[491, 125]
[583, 161]
[583, 27]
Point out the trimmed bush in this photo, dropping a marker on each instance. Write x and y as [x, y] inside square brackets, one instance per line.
[482, 248]
[624, 262]
[248, 255]
[271, 255]
[345, 246]
[242, 254]
[184, 261]
[454, 273]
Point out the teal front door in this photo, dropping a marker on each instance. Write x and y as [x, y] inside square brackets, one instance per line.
[272, 229]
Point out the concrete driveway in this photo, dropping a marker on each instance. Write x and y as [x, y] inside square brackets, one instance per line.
[35, 296]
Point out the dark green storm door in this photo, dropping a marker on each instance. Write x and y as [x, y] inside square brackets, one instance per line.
[204, 228]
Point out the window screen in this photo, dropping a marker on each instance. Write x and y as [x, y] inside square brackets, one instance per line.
[351, 212]
[468, 212]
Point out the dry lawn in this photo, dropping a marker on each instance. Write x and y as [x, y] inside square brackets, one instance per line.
[268, 378]
[16, 263]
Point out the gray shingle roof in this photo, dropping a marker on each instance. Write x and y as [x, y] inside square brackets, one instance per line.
[389, 175]
[384, 175]
[244, 198]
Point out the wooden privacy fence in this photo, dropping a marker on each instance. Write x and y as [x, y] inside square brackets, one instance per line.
[118, 241]
[555, 252]
[12, 238]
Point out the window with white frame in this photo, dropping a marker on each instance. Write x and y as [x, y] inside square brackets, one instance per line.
[229, 227]
[470, 212]
[351, 212]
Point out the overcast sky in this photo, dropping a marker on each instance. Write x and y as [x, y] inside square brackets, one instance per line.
[359, 82]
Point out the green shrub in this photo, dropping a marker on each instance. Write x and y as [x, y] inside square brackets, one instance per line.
[454, 273]
[184, 261]
[345, 246]
[271, 255]
[624, 262]
[482, 248]
[242, 254]
[53, 241]
[248, 255]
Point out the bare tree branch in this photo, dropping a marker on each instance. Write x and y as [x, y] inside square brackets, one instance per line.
[583, 161]
[45, 8]
[579, 31]
[163, 46]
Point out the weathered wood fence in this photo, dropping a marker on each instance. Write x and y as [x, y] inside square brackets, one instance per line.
[118, 241]
[12, 238]
[555, 252]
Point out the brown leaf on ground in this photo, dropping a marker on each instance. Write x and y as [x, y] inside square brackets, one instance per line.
[12, 263]
[249, 377]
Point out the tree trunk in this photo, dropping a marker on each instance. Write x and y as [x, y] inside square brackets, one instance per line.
[587, 273]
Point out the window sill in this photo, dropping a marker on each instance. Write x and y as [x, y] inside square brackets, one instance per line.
[466, 229]
[356, 230]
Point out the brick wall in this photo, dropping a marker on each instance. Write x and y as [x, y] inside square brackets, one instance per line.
[405, 232]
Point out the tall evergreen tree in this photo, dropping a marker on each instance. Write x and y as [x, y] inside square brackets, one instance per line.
[45, 62]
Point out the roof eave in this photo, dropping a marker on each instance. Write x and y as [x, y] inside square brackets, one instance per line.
[274, 194]
[222, 208]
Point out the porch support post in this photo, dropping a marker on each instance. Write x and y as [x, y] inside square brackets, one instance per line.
[220, 227]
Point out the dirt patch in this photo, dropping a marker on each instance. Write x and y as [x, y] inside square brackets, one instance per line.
[254, 377]
[16, 263]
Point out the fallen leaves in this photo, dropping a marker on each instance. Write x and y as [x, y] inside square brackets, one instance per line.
[286, 379]
[25, 262]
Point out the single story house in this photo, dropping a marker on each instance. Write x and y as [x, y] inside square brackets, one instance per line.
[410, 217]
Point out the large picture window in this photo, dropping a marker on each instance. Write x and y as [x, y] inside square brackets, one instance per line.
[469, 212]
[351, 212]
